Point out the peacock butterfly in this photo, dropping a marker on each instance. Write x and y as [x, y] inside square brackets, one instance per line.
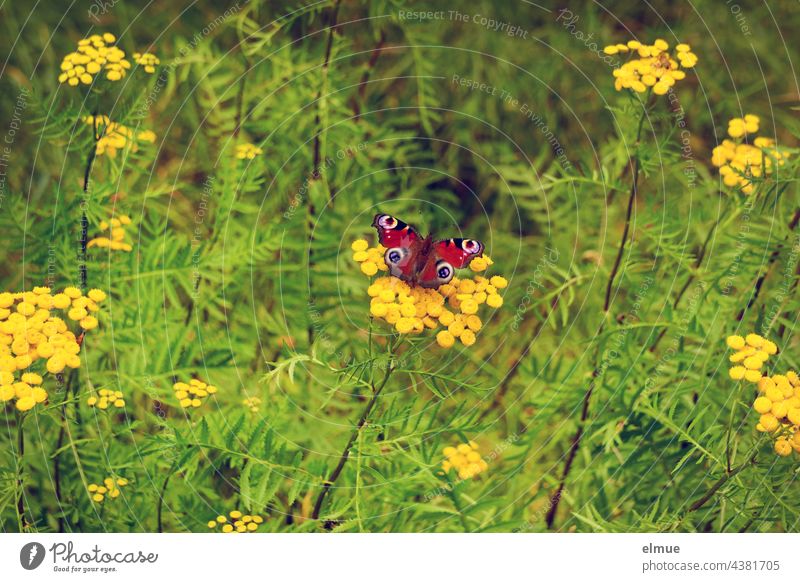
[422, 261]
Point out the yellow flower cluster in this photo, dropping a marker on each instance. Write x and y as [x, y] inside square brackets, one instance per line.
[94, 54]
[413, 309]
[253, 403]
[738, 161]
[741, 126]
[147, 60]
[247, 151]
[116, 240]
[192, 394]
[116, 136]
[465, 460]
[30, 332]
[106, 398]
[28, 391]
[371, 259]
[778, 404]
[655, 67]
[110, 487]
[778, 400]
[238, 523]
[751, 353]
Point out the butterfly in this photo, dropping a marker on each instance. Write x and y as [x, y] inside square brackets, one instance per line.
[422, 261]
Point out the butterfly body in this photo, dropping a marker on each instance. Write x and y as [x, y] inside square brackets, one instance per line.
[422, 261]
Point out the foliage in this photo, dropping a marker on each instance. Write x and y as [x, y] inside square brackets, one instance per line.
[598, 395]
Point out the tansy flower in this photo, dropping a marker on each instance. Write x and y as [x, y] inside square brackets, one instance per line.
[106, 398]
[778, 405]
[116, 231]
[31, 333]
[193, 394]
[247, 151]
[751, 353]
[116, 136]
[237, 523]
[94, 55]
[111, 487]
[778, 399]
[465, 460]
[147, 60]
[654, 68]
[253, 403]
[739, 161]
[452, 308]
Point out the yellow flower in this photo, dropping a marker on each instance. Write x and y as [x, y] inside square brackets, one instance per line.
[25, 403]
[778, 399]
[413, 309]
[242, 523]
[32, 333]
[193, 393]
[247, 151]
[147, 60]
[115, 136]
[740, 162]
[445, 339]
[750, 353]
[106, 398]
[465, 460]
[654, 68]
[111, 487]
[253, 403]
[115, 241]
[94, 55]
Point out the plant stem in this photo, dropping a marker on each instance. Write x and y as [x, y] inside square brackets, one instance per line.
[453, 494]
[57, 458]
[728, 452]
[772, 259]
[692, 276]
[316, 172]
[587, 397]
[329, 482]
[362, 84]
[82, 271]
[162, 493]
[20, 468]
[722, 480]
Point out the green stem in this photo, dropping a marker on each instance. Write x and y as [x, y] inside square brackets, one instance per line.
[160, 506]
[358, 481]
[82, 269]
[337, 471]
[555, 500]
[729, 435]
[722, 480]
[20, 467]
[453, 494]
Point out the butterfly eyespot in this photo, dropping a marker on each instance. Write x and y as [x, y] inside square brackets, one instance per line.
[395, 256]
[444, 271]
[387, 221]
[470, 246]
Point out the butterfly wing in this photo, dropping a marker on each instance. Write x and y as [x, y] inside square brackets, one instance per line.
[446, 256]
[402, 245]
[458, 251]
[393, 232]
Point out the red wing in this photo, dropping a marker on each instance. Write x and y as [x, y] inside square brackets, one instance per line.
[429, 276]
[393, 232]
[458, 251]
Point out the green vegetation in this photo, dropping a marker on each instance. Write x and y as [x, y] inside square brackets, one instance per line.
[255, 151]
